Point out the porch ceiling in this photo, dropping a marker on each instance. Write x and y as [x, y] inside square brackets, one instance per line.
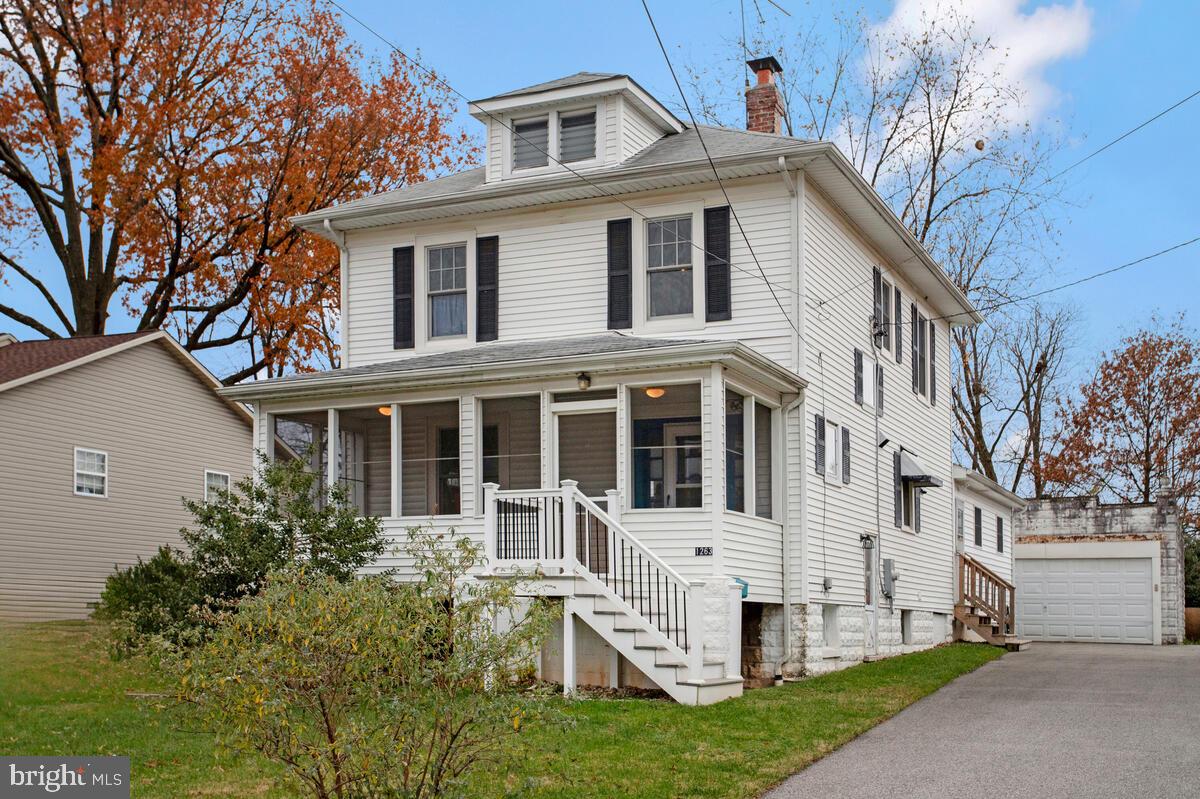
[527, 359]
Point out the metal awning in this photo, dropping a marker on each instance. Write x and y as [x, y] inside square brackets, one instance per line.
[913, 473]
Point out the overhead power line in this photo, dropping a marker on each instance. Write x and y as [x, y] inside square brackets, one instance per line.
[733, 212]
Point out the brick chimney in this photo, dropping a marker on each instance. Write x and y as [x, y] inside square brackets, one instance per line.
[764, 110]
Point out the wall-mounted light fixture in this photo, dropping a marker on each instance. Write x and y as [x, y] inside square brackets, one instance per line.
[654, 392]
[867, 541]
[584, 380]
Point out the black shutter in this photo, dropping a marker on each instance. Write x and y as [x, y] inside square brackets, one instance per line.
[845, 454]
[999, 533]
[899, 314]
[932, 363]
[877, 308]
[403, 283]
[979, 527]
[917, 508]
[879, 389]
[916, 366]
[897, 489]
[487, 277]
[858, 376]
[819, 443]
[923, 350]
[885, 297]
[620, 274]
[718, 289]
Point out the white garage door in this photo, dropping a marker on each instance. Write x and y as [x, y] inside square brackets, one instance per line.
[1085, 599]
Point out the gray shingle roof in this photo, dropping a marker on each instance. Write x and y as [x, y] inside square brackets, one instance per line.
[498, 353]
[678, 148]
[558, 83]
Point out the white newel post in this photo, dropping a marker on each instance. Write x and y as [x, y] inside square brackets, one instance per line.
[696, 630]
[733, 654]
[569, 487]
[614, 510]
[489, 524]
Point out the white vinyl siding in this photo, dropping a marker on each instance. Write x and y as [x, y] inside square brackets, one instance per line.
[160, 428]
[91, 473]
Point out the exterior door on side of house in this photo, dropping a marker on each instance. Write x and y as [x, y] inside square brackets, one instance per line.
[870, 590]
[585, 447]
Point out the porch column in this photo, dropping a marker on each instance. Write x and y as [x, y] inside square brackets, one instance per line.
[332, 434]
[395, 464]
[716, 451]
[568, 646]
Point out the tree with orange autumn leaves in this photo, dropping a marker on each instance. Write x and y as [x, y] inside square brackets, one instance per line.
[155, 150]
[1134, 431]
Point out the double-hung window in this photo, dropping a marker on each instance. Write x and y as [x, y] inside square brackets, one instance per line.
[669, 266]
[447, 290]
[91, 473]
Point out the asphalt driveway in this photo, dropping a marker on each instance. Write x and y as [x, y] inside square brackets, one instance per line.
[1057, 720]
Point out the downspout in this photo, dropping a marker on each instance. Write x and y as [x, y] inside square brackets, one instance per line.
[787, 536]
[338, 237]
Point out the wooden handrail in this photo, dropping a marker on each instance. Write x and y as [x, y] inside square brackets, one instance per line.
[982, 588]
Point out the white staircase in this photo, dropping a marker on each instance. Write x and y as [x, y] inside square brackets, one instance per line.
[683, 635]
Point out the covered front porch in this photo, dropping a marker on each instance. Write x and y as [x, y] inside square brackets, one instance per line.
[646, 471]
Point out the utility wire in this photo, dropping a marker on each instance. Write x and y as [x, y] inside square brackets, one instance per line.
[499, 121]
[733, 212]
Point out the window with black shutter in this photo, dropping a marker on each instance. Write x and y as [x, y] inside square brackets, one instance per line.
[846, 455]
[487, 275]
[718, 289]
[885, 320]
[819, 443]
[620, 274]
[932, 363]
[979, 527]
[403, 284]
[897, 489]
[858, 376]
[913, 345]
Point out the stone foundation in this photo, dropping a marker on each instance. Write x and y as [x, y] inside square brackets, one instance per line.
[846, 646]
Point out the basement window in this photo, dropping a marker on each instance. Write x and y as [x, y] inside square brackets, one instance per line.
[830, 634]
[906, 631]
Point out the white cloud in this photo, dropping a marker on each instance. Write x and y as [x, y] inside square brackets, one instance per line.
[1026, 42]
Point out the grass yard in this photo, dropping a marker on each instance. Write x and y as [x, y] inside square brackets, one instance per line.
[60, 694]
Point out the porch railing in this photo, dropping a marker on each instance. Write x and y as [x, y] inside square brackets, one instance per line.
[563, 529]
[982, 588]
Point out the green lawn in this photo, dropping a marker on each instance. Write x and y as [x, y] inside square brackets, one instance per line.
[60, 694]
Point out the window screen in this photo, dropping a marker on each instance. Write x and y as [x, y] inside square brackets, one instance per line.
[530, 143]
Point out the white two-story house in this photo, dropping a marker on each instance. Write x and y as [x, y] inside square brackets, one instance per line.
[698, 377]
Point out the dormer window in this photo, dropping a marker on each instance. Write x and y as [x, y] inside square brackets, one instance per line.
[577, 136]
[531, 143]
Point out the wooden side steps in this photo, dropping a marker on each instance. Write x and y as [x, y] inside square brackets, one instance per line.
[987, 605]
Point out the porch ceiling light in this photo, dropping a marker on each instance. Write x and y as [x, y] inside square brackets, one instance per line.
[584, 380]
[386, 410]
[655, 392]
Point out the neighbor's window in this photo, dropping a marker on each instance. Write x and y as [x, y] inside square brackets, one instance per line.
[668, 456]
[669, 265]
[512, 442]
[91, 472]
[577, 136]
[531, 140]
[447, 290]
[909, 496]
[429, 464]
[735, 451]
[216, 485]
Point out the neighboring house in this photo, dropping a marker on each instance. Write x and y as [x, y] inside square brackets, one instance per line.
[102, 438]
[1088, 571]
[717, 419]
[983, 534]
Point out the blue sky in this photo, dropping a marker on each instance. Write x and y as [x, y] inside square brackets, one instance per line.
[1136, 198]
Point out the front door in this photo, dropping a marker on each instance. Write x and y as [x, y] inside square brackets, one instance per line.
[870, 591]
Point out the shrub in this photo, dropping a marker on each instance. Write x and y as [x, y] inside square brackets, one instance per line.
[283, 517]
[371, 687]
